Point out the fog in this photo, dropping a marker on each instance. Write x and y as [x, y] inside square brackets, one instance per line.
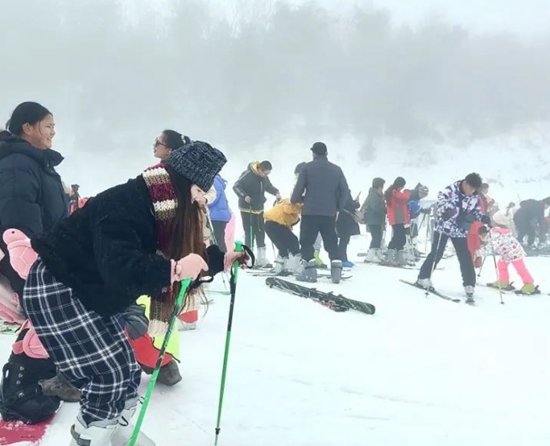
[260, 74]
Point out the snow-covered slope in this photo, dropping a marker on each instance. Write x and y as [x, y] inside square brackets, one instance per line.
[422, 371]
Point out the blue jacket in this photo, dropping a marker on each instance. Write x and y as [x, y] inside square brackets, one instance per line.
[219, 208]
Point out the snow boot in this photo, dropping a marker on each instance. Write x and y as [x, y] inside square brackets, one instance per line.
[529, 288]
[390, 258]
[424, 283]
[469, 290]
[307, 272]
[125, 429]
[318, 262]
[279, 265]
[292, 263]
[169, 374]
[261, 259]
[59, 386]
[348, 264]
[21, 397]
[336, 271]
[98, 433]
[373, 256]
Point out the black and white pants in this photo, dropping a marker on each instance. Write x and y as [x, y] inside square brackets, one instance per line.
[283, 238]
[90, 350]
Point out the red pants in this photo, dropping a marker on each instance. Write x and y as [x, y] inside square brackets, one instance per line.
[474, 242]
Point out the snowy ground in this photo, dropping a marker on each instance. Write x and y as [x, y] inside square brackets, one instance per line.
[422, 371]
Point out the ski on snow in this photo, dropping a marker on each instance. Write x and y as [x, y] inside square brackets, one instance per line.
[431, 291]
[336, 302]
[273, 274]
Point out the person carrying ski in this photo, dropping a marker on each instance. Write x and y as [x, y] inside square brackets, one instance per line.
[346, 227]
[398, 217]
[32, 201]
[323, 189]
[531, 211]
[458, 206]
[374, 211]
[139, 238]
[251, 188]
[501, 242]
[279, 221]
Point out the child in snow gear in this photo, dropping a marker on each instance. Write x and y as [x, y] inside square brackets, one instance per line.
[220, 214]
[251, 188]
[529, 211]
[458, 206]
[279, 221]
[374, 211]
[93, 265]
[398, 216]
[323, 190]
[346, 227]
[32, 201]
[501, 242]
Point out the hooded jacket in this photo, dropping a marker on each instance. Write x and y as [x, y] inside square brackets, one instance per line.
[284, 213]
[374, 208]
[219, 208]
[251, 184]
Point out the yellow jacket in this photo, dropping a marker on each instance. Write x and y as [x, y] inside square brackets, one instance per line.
[284, 213]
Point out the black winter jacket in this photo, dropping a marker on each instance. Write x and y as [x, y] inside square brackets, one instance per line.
[32, 198]
[530, 210]
[346, 226]
[322, 187]
[106, 250]
[374, 208]
[250, 184]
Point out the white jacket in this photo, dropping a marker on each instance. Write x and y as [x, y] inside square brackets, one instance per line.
[505, 218]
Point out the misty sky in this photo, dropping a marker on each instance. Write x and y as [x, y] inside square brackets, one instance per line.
[527, 17]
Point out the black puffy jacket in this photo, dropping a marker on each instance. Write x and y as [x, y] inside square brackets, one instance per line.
[251, 184]
[32, 198]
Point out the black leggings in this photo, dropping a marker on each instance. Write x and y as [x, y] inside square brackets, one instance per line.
[283, 238]
[376, 232]
[219, 234]
[399, 237]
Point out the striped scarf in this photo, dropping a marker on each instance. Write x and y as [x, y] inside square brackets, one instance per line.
[163, 197]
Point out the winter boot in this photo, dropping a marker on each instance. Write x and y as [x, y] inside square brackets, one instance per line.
[336, 271]
[469, 290]
[279, 265]
[424, 283]
[169, 374]
[390, 258]
[307, 272]
[98, 433]
[59, 386]
[125, 429]
[529, 288]
[261, 259]
[318, 262]
[372, 256]
[21, 396]
[292, 264]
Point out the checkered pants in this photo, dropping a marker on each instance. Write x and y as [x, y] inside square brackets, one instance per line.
[91, 351]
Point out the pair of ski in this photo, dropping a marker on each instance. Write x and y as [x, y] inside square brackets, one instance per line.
[433, 291]
[270, 273]
[335, 302]
[512, 289]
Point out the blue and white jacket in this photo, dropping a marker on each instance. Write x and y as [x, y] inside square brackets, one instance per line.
[456, 211]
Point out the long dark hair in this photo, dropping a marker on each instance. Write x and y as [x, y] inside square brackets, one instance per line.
[398, 183]
[25, 113]
[174, 140]
[186, 234]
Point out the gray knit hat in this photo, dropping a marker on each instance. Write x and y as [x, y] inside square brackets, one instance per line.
[197, 161]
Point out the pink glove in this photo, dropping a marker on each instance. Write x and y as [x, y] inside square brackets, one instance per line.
[188, 267]
[22, 256]
[232, 257]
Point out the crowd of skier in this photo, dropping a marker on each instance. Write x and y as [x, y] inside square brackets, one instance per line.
[92, 282]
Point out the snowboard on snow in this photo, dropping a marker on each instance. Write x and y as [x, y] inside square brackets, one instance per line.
[16, 432]
[336, 302]
[432, 291]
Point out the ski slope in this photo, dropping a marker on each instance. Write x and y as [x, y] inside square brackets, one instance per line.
[422, 371]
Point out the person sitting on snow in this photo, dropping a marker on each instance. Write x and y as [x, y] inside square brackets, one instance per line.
[501, 242]
[279, 221]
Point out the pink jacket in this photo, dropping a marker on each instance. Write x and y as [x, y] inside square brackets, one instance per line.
[505, 245]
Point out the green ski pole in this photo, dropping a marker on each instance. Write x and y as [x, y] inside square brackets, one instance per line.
[233, 287]
[177, 308]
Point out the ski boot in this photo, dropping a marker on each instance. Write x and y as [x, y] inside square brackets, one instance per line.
[125, 429]
[469, 290]
[307, 272]
[292, 263]
[425, 284]
[261, 259]
[528, 289]
[318, 262]
[169, 374]
[98, 433]
[336, 271]
[279, 265]
[505, 286]
[373, 256]
[390, 259]
[401, 259]
[348, 264]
